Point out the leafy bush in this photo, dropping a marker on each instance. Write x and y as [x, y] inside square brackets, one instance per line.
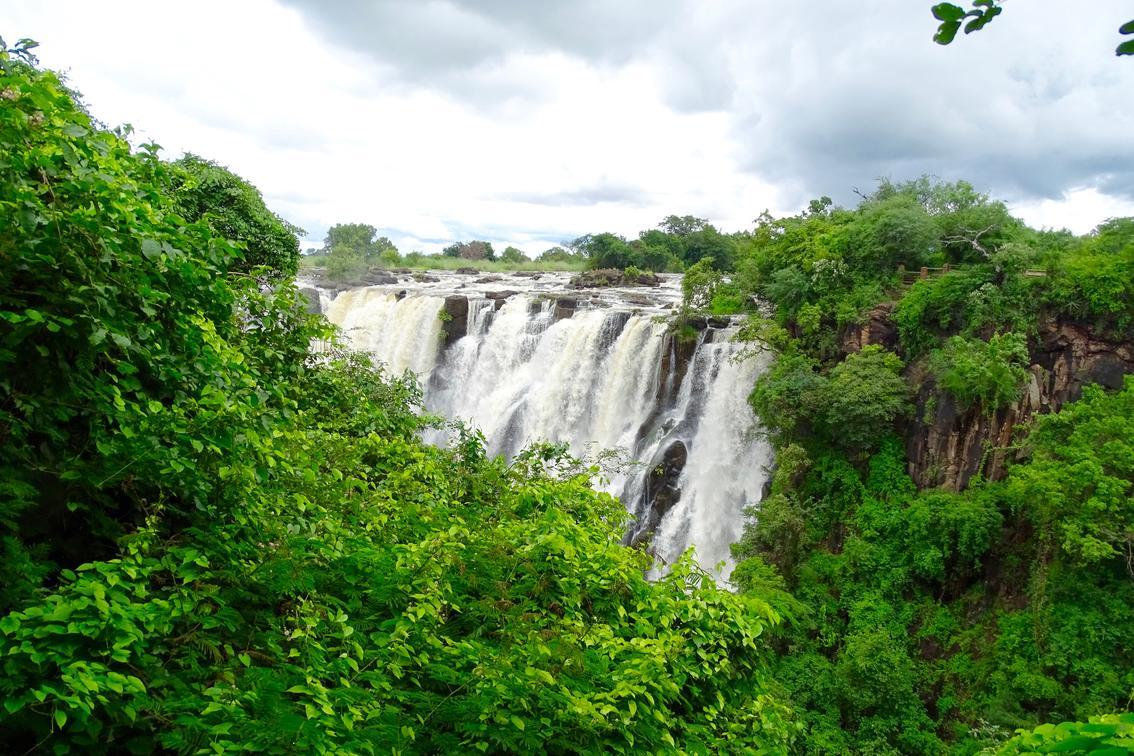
[1077, 486]
[234, 210]
[989, 374]
[863, 398]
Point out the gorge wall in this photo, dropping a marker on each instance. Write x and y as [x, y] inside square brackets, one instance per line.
[948, 446]
[527, 357]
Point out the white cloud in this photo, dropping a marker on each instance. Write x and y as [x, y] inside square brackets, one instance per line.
[530, 123]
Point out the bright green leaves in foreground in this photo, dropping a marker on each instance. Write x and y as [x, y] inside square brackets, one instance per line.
[213, 540]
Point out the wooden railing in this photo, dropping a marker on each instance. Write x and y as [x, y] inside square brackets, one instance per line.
[912, 276]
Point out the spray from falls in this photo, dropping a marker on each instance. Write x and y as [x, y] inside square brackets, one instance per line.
[594, 378]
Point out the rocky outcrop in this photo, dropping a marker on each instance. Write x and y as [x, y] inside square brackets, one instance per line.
[662, 489]
[948, 446]
[455, 317]
[602, 277]
[565, 307]
[499, 297]
[877, 328]
[312, 294]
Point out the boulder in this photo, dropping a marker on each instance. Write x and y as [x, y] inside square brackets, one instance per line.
[499, 297]
[313, 307]
[565, 307]
[455, 318]
[662, 489]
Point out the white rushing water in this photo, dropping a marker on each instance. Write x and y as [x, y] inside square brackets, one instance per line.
[592, 378]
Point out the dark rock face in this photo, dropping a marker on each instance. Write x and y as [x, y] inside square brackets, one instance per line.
[948, 446]
[456, 322]
[499, 297]
[662, 489]
[565, 307]
[489, 279]
[379, 277]
[313, 307]
[879, 329]
[468, 271]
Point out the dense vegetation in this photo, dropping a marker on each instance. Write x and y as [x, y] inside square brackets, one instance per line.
[215, 540]
[940, 621]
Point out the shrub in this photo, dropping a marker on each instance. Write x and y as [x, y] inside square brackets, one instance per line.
[863, 398]
[989, 374]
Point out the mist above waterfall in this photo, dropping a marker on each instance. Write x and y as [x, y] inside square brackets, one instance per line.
[595, 370]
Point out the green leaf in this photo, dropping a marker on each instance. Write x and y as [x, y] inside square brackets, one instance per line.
[947, 32]
[1126, 48]
[151, 248]
[519, 723]
[98, 336]
[1126, 28]
[60, 718]
[948, 12]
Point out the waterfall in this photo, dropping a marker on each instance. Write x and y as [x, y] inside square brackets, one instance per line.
[405, 334]
[594, 377]
[727, 466]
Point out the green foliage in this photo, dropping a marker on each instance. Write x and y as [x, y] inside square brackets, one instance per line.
[1077, 487]
[939, 614]
[513, 255]
[350, 249]
[1110, 734]
[863, 398]
[989, 374]
[699, 285]
[788, 396]
[1096, 283]
[952, 16]
[216, 540]
[471, 250]
[606, 251]
[234, 210]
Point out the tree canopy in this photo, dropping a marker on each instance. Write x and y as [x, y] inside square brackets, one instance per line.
[234, 209]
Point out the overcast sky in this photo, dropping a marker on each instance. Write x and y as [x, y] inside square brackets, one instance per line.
[530, 122]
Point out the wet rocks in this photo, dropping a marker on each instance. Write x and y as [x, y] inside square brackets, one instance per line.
[312, 307]
[662, 489]
[455, 317]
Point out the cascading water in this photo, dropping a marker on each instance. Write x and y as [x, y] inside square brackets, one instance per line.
[601, 375]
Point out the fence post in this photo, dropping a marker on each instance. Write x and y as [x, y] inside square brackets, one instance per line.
[924, 273]
[945, 268]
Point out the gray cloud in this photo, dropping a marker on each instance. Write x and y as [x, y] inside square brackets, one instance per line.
[822, 97]
[440, 41]
[585, 196]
